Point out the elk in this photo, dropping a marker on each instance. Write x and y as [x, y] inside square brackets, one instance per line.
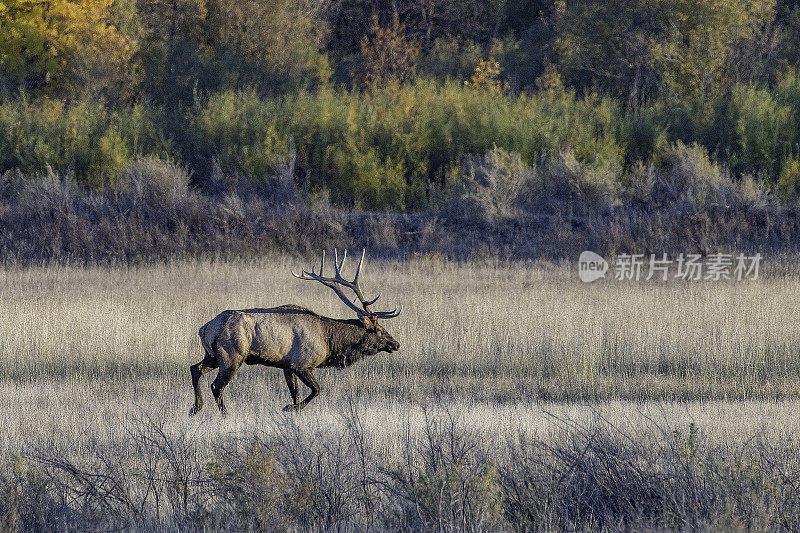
[293, 338]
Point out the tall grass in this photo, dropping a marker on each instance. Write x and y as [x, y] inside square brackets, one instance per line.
[577, 469]
[480, 422]
[496, 332]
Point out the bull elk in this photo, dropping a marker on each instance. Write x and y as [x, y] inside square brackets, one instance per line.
[293, 338]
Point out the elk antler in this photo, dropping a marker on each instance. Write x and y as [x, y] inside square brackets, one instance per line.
[337, 281]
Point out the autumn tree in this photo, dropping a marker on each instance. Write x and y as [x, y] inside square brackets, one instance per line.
[487, 77]
[701, 36]
[638, 48]
[277, 39]
[173, 43]
[388, 56]
[609, 44]
[61, 46]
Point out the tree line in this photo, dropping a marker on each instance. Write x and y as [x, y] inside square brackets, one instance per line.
[379, 104]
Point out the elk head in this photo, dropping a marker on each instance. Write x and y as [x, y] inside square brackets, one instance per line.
[376, 339]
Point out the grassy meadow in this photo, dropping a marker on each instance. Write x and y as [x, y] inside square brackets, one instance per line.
[511, 377]
[493, 332]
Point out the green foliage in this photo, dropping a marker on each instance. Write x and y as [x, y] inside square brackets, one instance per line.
[644, 135]
[370, 183]
[276, 44]
[451, 58]
[610, 43]
[789, 180]
[239, 130]
[787, 89]
[419, 90]
[765, 128]
[86, 138]
[638, 49]
[702, 35]
[386, 148]
[389, 148]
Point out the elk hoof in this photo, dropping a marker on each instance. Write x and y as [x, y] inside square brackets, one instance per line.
[194, 410]
[292, 408]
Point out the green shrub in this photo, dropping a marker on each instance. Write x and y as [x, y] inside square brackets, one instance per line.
[451, 58]
[764, 128]
[787, 91]
[86, 138]
[644, 136]
[110, 157]
[789, 180]
[415, 135]
[238, 129]
[370, 183]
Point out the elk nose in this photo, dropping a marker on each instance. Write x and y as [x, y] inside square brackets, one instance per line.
[395, 346]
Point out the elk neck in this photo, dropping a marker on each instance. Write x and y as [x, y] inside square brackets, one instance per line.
[343, 335]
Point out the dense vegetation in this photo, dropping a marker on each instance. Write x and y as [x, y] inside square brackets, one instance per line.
[382, 106]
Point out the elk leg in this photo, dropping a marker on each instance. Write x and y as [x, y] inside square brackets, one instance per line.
[198, 370]
[308, 379]
[291, 381]
[223, 378]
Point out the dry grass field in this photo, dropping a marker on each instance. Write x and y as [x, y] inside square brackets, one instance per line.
[520, 399]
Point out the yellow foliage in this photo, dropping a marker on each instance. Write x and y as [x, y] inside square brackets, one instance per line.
[50, 40]
[789, 180]
[487, 77]
[389, 56]
[703, 34]
[283, 36]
